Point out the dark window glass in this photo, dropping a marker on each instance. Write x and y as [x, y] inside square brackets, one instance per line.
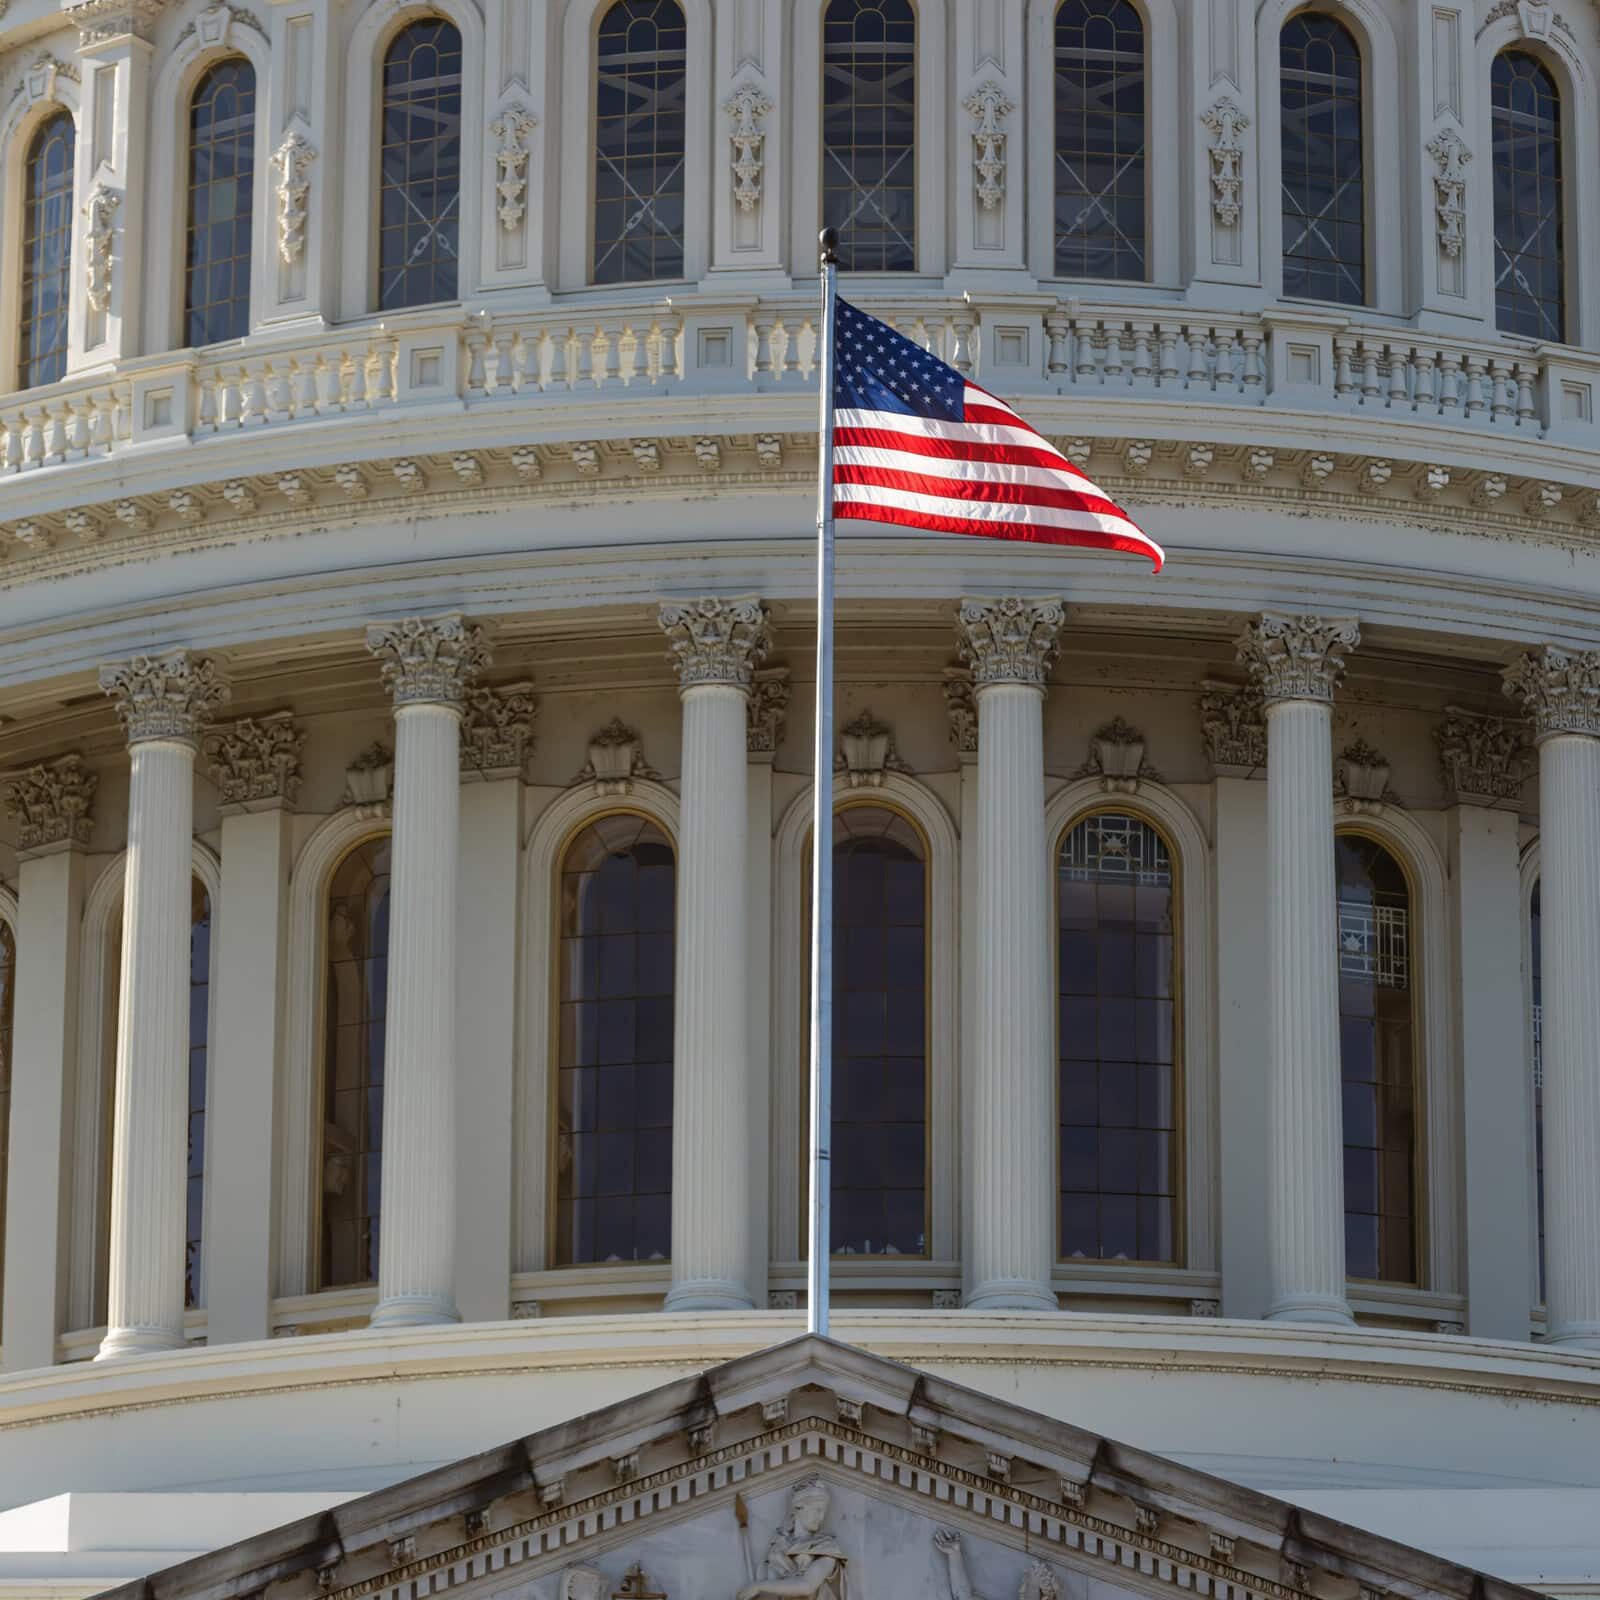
[1324, 177]
[47, 252]
[1528, 268]
[869, 119]
[1536, 996]
[355, 1007]
[222, 141]
[419, 186]
[614, 1090]
[639, 134]
[1377, 1053]
[199, 1025]
[1100, 140]
[8, 996]
[1118, 1091]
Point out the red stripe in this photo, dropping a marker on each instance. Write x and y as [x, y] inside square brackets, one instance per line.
[956, 449]
[1032, 532]
[998, 417]
[1020, 494]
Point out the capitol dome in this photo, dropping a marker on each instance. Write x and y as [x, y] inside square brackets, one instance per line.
[408, 482]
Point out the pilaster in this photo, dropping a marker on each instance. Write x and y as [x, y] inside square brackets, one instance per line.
[748, 183]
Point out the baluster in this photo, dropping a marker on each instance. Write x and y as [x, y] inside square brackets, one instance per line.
[477, 374]
[518, 363]
[323, 379]
[1527, 410]
[961, 351]
[583, 378]
[1343, 376]
[1167, 342]
[1199, 373]
[1370, 387]
[103, 424]
[10, 443]
[1254, 376]
[791, 348]
[560, 339]
[252, 396]
[78, 428]
[1449, 381]
[304, 389]
[1142, 369]
[1113, 372]
[1502, 396]
[1230, 362]
[388, 370]
[1426, 402]
[352, 381]
[667, 349]
[1399, 374]
[121, 414]
[765, 324]
[55, 434]
[1083, 341]
[642, 341]
[277, 392]
[612, 376]
[1475, 371]
[33, 439]
[1055, 327]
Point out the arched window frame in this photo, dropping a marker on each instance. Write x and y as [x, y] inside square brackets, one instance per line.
[167, 220]
[1530, 868]
[1199, 1154]
[579, 62]
[1381, 53]
[790, 886]
[935, 129]
[374, 32]
[534, 1096]
[17, 128]
[88, 1262]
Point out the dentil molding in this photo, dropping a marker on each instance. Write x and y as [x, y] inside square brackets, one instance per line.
[716, 641]
[165, 697]
[1299, 657]
[52, 805]
[1009, 639]
[428, 660]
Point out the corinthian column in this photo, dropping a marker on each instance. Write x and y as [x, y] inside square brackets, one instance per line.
[1297, 661]
[716, 645]
[427, 664]
[1562, 692]
[1010, 645]
[162, 702]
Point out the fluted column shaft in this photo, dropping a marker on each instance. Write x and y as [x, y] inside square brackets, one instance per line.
[427, 662]
[161, 703]
[1010, 644]
[1298, 660]
[1563, 693]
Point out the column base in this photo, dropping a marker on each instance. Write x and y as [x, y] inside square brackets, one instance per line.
[1575, 1336]
[1317, 1310]
[414, 1311]
[1013, 1294]
[120, 1342]
[708, 1294]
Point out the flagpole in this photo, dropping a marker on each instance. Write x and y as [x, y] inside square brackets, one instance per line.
[822, 827]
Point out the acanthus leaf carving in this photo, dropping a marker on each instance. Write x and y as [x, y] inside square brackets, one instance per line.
[291, 161]
[1484, 759]
[52, 804]
[748, 108]
[716, 641]
[1226, 121]
[428, 660]
[100, 213]
[255, 761]
[497, 729]
[1450, 156]
[511, 129]
[1560, 688]
[767, 711]
[866, 752]
[1234, 726]
[99, 20]
[616, 758]
[1297, 657]
[961, 707]
[989, 106]
[1009, 639]
[165, 697]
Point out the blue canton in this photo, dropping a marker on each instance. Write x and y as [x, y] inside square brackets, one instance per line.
[877, 369]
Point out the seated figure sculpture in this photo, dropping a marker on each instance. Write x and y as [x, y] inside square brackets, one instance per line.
[802, 1562]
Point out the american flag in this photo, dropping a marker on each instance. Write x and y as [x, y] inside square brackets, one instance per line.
[916, 444]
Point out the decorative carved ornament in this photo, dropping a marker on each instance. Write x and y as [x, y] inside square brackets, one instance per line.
[1225, 121]
[1560, 688]
[866, 752]
[1361, 779]
[1117, 759]
[1484, 760]
[39, 81]
[767, 711]
[165, 697]
[255, 762]
[100, 213]
[428, 660]
[961, 707]
[369, 780]
[1009, 640]
[1450, 156]
[1038, 1582]
[98, 20]
[988, 107]
[748, 108]
[52, 805]
[511, 129]
[1233, 724]
[497, 729]
[291, 162]
[716, 641]
[616, 758]
[1297, 658]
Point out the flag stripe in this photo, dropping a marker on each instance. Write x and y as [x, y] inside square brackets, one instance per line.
[968, 510]
[989, 491]
[958, 468]
[1134, 543]
[960, 449]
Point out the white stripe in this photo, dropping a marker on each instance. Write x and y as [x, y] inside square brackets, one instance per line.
[862, 455]
[962, 432]
[929, 505]
[977, 397]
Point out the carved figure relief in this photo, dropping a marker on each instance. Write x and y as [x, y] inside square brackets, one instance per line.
[292, 164]
[802, 1561]
[100, 211]
[1225, 121]
[511, 129]
[1450, 156]
[1038, 1582]
[748, 107]
[988, 107]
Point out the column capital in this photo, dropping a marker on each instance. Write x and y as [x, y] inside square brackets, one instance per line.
[53, 806]
[100, 20]
[716, 641]
[1560, 689]
[767, 712]
[1299, 657]
[1009, 639]
[428, 660]
[497, 729]
[1484, 760]
[255, 762]
[165, 697]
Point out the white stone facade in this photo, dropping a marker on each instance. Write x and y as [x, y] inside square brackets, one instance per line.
[480, 577]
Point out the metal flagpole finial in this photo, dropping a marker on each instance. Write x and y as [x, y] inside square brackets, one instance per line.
[828, 242]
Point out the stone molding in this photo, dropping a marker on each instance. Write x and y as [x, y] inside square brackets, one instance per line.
[1484, 759]
[1559, 688]
[866, 752]
[428, 660]
[1009, 639]
[52, 804]
[716, 641]
[165, 697]
[497, 729]
[1233, 724]
[1299, 657]
[255, 762]
[768, 711]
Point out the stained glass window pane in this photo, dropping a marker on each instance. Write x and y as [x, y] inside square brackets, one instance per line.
[46, 253]
[8, 976]
[1377, 1053]
[419, 182]
[222, 139]
[199, 1024]
[1323, 172]
[614, 1057]
[1529, 295]
[1117, 1043]
[640, 142]
[355, 1008]
[1100, 140]
[869, 115]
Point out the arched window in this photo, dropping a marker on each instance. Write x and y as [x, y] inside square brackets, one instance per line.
[614, 1064]
[419, 179]
[1529, 295]
[1100, 140]
[46, 252]
[869, 122]
[1323, 155]
[1117, 909]
[1377, 1053]
[199, 1029]
[8, 999]
[1536, 1022]
[639, 149]
[222, 142]
[355, 1005]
